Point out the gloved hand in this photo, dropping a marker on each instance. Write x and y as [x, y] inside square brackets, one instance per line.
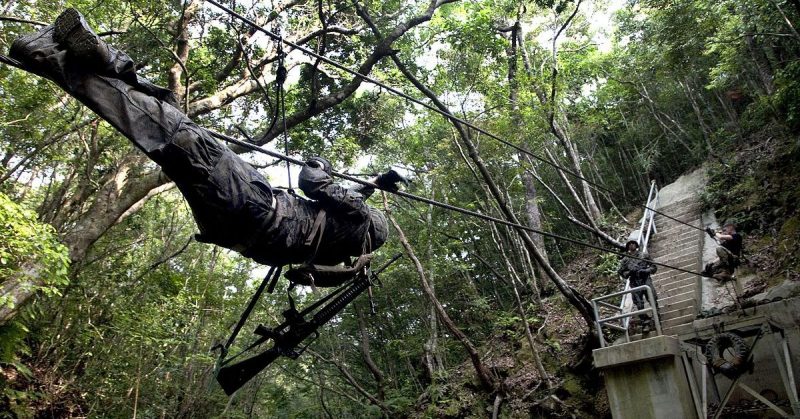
[711, 232]
[320, 163]
[389, 180]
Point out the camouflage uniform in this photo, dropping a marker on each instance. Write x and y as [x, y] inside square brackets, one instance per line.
[638, 272]
[233, 204]
[728, 259]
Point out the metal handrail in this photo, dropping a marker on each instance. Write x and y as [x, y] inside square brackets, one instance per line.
[625, 317]
[647, 211]
[650, 215]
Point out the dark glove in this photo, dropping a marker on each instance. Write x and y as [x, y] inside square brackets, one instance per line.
[320, 163]
[389, 180]
[711, 232]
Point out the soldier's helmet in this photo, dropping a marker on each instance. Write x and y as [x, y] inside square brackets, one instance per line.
[378, 229]
[321, 161]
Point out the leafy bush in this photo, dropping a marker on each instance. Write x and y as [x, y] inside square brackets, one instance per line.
[29, 248]
[787, 98]
[608, 265]
[30, 255]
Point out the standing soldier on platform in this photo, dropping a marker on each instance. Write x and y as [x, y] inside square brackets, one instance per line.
[638, 271]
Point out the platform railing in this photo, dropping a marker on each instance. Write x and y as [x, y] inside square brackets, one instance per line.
[623, 317]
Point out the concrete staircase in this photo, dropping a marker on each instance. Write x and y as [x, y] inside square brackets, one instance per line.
[677, 245]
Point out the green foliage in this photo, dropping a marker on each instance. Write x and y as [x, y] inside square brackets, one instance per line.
[30, 250]
[787, 97]
[608, 265]
[680, 85]
[31, 253]
[12, 334]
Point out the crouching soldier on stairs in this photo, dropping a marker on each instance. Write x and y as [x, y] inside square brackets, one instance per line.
[638, 271]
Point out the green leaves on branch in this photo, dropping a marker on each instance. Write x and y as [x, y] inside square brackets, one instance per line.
[24, 243]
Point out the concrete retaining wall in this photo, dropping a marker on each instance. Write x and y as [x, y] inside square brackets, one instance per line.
[646, 379]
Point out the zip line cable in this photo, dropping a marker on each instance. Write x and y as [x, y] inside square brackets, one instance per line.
[10, 61]
[435, 203]
[450, 116]
[253, 147]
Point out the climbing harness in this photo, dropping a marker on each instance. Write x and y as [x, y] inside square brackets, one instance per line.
[293, 336]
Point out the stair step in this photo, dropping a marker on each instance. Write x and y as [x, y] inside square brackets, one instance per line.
[668, 287]
[672, 242]
[679, 253]
[671, 276]
[692, 260]
[676, 253]
[679, 214]
[678, 309]
[686, 291]
[677, 321]
[667, 242]
[670, 281]
[673, 230]
[683, 214]
[686, 202]
[693, 219]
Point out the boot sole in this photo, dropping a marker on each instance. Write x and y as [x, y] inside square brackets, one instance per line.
[72, 31]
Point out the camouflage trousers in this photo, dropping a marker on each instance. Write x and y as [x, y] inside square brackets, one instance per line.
[725, 265]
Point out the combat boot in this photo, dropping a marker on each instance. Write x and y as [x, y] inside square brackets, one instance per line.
[72, 32]
[646, 324]
[708, 270]
[723, 276]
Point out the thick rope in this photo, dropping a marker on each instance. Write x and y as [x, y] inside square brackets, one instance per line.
[450, 116]
[15, 63]
[448, 207]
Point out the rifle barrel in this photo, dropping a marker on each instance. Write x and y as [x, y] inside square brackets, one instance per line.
[233, 377]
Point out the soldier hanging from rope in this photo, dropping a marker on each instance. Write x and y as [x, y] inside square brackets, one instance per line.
[728, 253]
[234, 205]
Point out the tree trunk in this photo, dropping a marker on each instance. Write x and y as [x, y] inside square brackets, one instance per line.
[14, 291]
[353, 382]
[575, 299]
[365, 352]
[531, 194]
[572, 153]
[483, 373]
[759, 60]
[431, 347]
